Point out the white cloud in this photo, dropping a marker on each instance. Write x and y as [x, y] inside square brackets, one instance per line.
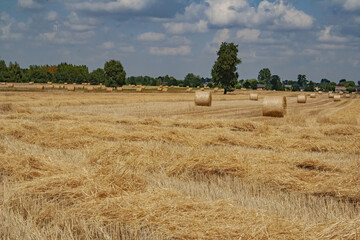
[66, 37]
[248, 35]
[6, 28]
[108, 45]
[185, 27]
[170, 51]
[276, 15]
[110, 7]
[221, 36]
[151, 36]
[29, 4]
[349, 5]
[75, 23]
[326, 36]
[51, 16]
[127, 49]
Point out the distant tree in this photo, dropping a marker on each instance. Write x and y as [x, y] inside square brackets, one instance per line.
[250, 84]
[224, 70]
[264, 76]
[192, 80]
[358, 83]
[97, 76]
[302, 81]
[276, 83]
[15, 72]
[310, 87]
[324, 80]
[115, 73]
[342, 81]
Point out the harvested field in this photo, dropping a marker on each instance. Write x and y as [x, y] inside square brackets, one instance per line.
[152, 165]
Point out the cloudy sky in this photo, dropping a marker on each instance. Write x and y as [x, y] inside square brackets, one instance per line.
[319, 38]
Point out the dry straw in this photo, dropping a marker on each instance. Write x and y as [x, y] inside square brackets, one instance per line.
[109, 89]
[120, 89]
[336, 98]
[139, 89]
[159, 89]
[31, 83]
[165, 89]
[40, 87]
[253, 96]
[341, 93]
[331, 95]
[202, 89]
[274, 106]
[189, 89]
[10, 85]
[301, 98]
[49, 83]
[203, 98]
[216, 89]
[320, 92]
[347, 95]
[313, 95]
[89, 89]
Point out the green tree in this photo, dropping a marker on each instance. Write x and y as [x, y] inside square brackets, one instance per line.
[310, 87]
[264, 76]
[224, 70]
[97, 76]
[302, 81]
[192, 80]
[115, 73]
[15, 72]
[276, 83]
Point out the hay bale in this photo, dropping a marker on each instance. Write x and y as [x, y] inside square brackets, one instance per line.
[203, 98]
[274, 106]
[202, 89]
[139, 89]
[49, 83]
[347, 95]
[313, 95]
[51, 86]
[165, 89]
[216, 89]
[119, 89]
[189, 89]
[40, 87]
[2, 83]
[253, 96]
[320, 92]
[341, 93]
[65, 83]
[89, 89]
[109, 89]
[11, 85]
[81, 87]
[331, 95]
[31, 83]
[70, 88]
[337, 98]
[301, 98]
[243, 89]
[159, 89]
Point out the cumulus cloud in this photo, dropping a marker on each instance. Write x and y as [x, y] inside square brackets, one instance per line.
[6, 28]
[221, 36]
[326, 36]
[151, 36]
[349, 5]
[107, 45]
[110, 7]
[29, 4]
[276, 15]
[185, 27]
[75, 23]
[51, 16]
[66, 37]
[248, 35]
[170, 51]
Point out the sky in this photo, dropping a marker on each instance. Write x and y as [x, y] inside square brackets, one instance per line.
[318, 38]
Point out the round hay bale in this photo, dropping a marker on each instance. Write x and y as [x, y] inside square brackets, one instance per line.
[70, 88]
[139, 89]
[198, 87]
[301, 98]
[189, 89]
[65, 83]
[81, 87]
[2, 83]
[11, 85]
[109, 89]
[331, 95]
[57, 86]
[216, 89]
[49, 83]
[31, 83]
[320, 92]
[119, 89]
[312, 95]
[89, 89]
[347, 95]
[202, 89]
[165, 89]
[40, 87]
[341, 93]
[274, 106]
[51, 86]
[253, 96]
[243, 89]
[203, 98]
[159, 89]
[337, 98]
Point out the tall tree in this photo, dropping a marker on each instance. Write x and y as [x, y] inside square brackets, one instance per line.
[264, 76]
[115, 73]
[224, 70]
[192, 80]
[275, 82]
[302, 81]
[15, 72]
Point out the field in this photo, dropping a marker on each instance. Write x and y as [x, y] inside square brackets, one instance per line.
[109, 165]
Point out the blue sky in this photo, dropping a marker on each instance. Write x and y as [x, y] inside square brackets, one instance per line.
[318, 38]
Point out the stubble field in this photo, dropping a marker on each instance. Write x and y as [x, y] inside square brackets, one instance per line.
[77, 165]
